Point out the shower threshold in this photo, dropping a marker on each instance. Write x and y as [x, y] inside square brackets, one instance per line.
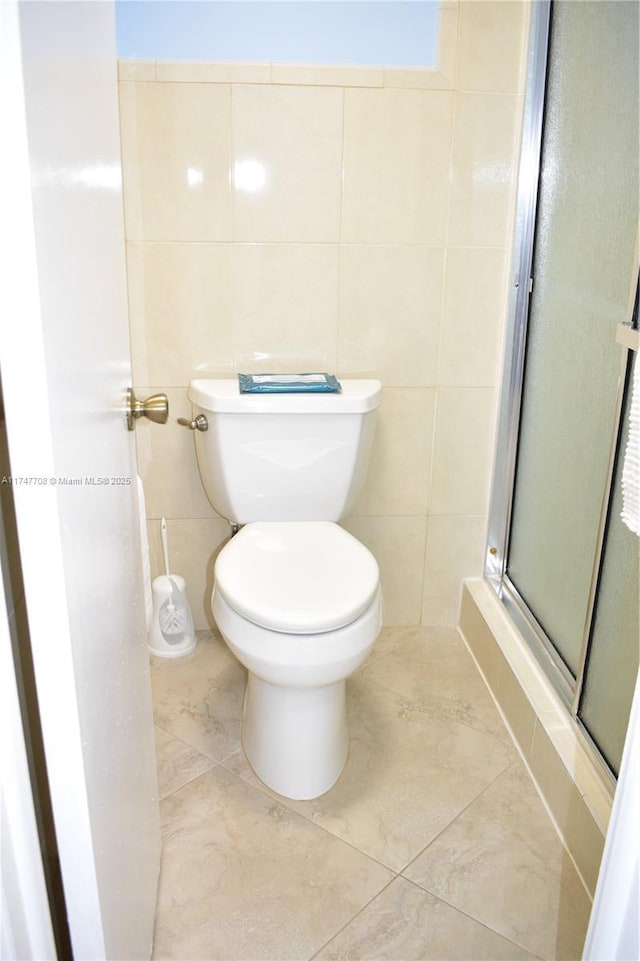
[575, 788]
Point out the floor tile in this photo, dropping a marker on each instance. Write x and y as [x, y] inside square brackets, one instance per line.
[433, 668]
[198, 698]
[502, 863]
[244, 877]
[389, 640]
[407, 776]
[177, 762]
[404, 923]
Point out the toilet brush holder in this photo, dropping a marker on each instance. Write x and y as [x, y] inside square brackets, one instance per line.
[171, 633]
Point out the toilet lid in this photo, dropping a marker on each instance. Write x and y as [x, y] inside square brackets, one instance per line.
[297, 577]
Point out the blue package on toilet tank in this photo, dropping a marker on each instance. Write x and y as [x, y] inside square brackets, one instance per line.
[288, 383]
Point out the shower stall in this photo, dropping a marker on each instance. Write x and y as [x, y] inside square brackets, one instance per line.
[559, 557]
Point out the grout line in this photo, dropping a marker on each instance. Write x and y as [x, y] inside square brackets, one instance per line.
[213, 242]
[186, 783]
[340, 245]
[432, 443]
[352, 919]
[280, 799]
[454, 819]
[184, 742]
[212, 763]
[426, 893]
[471, 917]
[393, 245]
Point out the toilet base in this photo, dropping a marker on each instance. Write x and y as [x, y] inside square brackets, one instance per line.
[295, 739]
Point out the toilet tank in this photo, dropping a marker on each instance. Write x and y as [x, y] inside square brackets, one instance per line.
[284, 457]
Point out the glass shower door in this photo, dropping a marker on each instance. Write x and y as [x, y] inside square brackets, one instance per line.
[583, 264]
[609, 677]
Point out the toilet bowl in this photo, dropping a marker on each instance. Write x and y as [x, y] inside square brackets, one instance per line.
[296, 597]
[299, 604]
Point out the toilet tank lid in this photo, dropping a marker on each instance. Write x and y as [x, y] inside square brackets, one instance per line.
[223, 396]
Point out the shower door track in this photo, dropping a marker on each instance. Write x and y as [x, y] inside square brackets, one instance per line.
[540, 644]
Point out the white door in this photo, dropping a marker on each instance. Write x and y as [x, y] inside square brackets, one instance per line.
[65, 368]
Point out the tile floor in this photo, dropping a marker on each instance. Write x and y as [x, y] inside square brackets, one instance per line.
[433, 844]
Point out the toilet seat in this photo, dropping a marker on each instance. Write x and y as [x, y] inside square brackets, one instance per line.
[298, 577]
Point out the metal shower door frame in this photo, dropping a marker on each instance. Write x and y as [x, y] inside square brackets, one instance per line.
[508, 427]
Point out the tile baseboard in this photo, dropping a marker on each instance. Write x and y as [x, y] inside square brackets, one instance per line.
[575, 790]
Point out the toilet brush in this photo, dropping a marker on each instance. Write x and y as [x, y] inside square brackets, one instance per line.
[174, 616]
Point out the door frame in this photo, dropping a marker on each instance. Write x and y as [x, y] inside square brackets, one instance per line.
[26, 929]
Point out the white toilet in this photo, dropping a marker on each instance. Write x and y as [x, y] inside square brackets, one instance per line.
[296, 597]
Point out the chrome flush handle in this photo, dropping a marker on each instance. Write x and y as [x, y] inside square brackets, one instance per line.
[198, 423]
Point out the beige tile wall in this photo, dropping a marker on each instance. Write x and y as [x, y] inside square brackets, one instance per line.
[377, 245]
